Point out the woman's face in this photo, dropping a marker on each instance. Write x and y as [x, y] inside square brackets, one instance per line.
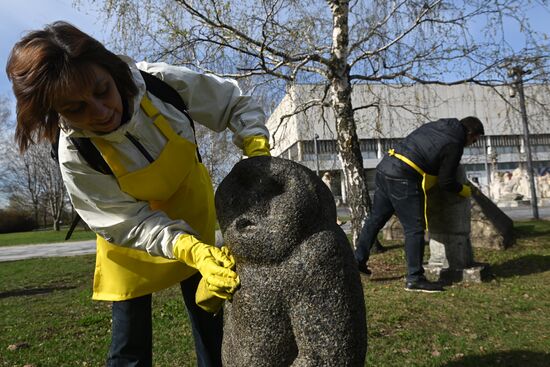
[96, 107]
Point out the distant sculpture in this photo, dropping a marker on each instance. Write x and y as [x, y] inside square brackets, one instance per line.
[513, 186]
[301, 301]
[509, 185]
[519, 176]
[544, 186]
[327, 180]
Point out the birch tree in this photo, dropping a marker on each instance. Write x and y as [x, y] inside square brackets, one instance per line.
[333, 43]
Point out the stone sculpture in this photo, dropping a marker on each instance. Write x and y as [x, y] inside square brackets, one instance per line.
[490, 226]
[301, 300]
[543, 185]
[451, 255]
[508, 187]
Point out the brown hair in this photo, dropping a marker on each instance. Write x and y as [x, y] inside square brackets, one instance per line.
[46, 62]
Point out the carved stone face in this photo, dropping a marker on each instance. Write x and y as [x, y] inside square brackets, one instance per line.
[266, 206]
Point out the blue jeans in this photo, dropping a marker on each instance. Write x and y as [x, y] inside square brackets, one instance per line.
[132, 333]
[405, 198]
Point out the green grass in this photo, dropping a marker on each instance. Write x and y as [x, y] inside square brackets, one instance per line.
[37, 237]
[46, 304]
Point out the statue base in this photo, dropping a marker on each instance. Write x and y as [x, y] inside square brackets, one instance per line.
[477, 273]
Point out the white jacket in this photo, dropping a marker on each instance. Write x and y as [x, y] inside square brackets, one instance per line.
[118, 217]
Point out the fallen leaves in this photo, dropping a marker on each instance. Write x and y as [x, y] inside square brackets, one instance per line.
[17, 346]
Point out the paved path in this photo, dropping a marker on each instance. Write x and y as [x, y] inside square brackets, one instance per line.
[11, 253]
[516, 213]
[526, 212]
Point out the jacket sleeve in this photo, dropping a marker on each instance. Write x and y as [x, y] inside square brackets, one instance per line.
[113, 214]
[450, 158]
[214, 102]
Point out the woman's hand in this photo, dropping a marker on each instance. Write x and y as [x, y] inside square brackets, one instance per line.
[215, 265]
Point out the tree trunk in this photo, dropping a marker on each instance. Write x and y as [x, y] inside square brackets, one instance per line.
[349, 150]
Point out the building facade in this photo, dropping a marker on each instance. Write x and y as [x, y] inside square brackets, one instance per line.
[386, 114]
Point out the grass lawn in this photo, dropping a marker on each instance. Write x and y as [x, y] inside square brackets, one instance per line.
[50, 236]
[47, 313]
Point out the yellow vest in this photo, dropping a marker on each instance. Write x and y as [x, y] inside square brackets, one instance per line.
[177, 184]
[428, 181]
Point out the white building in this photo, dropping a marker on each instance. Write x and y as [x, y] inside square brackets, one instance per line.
[400, 110]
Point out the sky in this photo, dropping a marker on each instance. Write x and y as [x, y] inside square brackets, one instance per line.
[19, 16]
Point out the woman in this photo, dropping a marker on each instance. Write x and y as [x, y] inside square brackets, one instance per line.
[154, 215]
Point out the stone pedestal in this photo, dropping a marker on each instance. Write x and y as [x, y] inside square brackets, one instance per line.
[451, 260]
[451, 256]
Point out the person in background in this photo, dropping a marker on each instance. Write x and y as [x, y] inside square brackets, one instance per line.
[154, 212]
[429, 155]
[327, 180]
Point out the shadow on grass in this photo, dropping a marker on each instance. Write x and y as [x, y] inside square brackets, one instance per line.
[526, 265]
[387, 279]
[513, 358]
[387, 248]
[524, 230]
[32, 291]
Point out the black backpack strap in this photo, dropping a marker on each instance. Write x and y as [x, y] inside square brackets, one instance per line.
[94, 158]
[74, 223]
[91, 155]
[54, 151]
[168, 94]
[87, 150]
[164, 91]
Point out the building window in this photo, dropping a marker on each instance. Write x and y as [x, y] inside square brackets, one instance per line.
[504, 150]
[540, 148]
[388, 144]
[474, 167]
[505, 141]
[368, 148]
[542, 139]
[369, 155]
[473, 150]
[507, 166]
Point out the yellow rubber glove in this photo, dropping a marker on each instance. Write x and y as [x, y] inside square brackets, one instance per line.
[214, 265]
[204, 298]
[255, 146]
[466, 191]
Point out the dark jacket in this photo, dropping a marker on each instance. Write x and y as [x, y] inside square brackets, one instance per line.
[436, 147]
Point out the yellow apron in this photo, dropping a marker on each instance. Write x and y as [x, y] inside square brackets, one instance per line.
[428, 181]
[177, 184]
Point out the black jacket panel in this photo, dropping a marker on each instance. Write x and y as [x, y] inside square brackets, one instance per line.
[436, 147]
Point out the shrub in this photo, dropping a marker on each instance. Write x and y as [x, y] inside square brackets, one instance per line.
[16, 221]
